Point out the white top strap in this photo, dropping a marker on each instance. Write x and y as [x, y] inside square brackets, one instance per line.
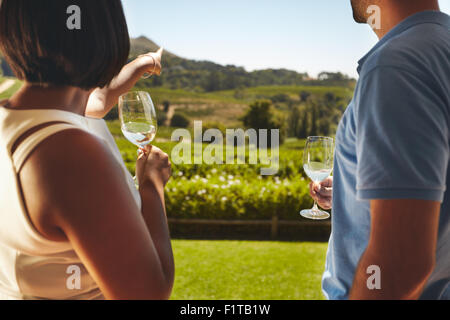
[31, 142]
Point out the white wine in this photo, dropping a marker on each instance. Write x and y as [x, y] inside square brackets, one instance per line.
[317, 171]
[139, 133]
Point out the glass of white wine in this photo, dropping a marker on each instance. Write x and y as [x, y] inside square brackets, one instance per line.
[137, 116]
[318, 164]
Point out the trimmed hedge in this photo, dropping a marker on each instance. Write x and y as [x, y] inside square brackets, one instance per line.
[234, 198]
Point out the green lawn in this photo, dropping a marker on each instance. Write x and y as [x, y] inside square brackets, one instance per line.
[246, 270]
[8, 93]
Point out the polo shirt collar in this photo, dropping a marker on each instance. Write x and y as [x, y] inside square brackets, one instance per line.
[436, 17]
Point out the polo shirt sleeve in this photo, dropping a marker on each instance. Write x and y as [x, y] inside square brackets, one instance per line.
[402, 136]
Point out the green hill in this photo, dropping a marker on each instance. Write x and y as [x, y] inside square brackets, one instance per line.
[207, 76]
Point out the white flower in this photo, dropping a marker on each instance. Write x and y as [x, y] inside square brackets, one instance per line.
[230, 177]
[197, 177]
[174, 189]
[188, 198]
[214, 171]
[221, 178]
[224, 199]
[180, 174]
[215, 186]
[204, 180]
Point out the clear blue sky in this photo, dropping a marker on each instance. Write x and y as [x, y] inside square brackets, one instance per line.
[302, 35]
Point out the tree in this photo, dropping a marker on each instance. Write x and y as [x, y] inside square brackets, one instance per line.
[324, 126]
[179, 121]
[304, 96]
[214, 81]
[166, 105]
[303, 130]
[161, 118]
[330, 97]
[313, 131]
[260, 116]
[294, 122]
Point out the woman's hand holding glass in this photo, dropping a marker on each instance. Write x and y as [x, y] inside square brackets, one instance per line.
[153, 166]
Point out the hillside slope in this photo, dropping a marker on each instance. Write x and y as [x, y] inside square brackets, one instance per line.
[207, 76]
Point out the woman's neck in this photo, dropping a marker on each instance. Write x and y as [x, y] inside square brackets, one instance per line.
[31, 96]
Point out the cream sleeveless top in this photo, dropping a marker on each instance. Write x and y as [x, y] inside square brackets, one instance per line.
[31, 266]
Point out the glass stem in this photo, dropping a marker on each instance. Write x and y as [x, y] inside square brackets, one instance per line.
[136, 182]
[315, 207]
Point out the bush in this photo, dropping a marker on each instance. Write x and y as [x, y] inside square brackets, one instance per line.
[179, 121]
[280, 98]
[113, 114]
[261, 116]
[236, 198]
[161, 118]
[166, 105]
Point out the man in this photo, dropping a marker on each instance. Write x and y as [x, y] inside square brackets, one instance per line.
[391, 212]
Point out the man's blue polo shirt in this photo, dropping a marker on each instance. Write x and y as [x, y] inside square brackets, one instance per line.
[393, 142]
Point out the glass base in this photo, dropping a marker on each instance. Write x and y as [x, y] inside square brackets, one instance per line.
[314, 214]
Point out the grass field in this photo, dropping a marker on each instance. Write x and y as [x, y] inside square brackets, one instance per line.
[222, 270]
[247, 95]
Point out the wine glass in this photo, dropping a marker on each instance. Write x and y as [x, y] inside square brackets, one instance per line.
[318, 165]
[137, 116]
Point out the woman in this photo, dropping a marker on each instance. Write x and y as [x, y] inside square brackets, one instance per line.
[72, 225]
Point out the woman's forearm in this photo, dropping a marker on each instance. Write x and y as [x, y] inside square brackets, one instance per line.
[154, 213]
[102, 100]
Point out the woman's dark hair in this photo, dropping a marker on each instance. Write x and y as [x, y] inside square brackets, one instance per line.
[40, 47]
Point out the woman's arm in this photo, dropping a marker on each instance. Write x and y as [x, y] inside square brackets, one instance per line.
[102, 100]
[96, 212]
[153, 170]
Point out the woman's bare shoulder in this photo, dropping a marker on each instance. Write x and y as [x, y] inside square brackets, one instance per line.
[64, 175]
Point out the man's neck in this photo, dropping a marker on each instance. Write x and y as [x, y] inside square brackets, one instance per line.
[395, 12]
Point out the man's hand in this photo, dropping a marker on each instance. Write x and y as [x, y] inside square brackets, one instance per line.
[322, 193]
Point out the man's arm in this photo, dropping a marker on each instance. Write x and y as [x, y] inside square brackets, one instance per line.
[402, 244]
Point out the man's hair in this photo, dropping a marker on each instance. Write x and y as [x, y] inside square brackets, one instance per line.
[41, 49]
